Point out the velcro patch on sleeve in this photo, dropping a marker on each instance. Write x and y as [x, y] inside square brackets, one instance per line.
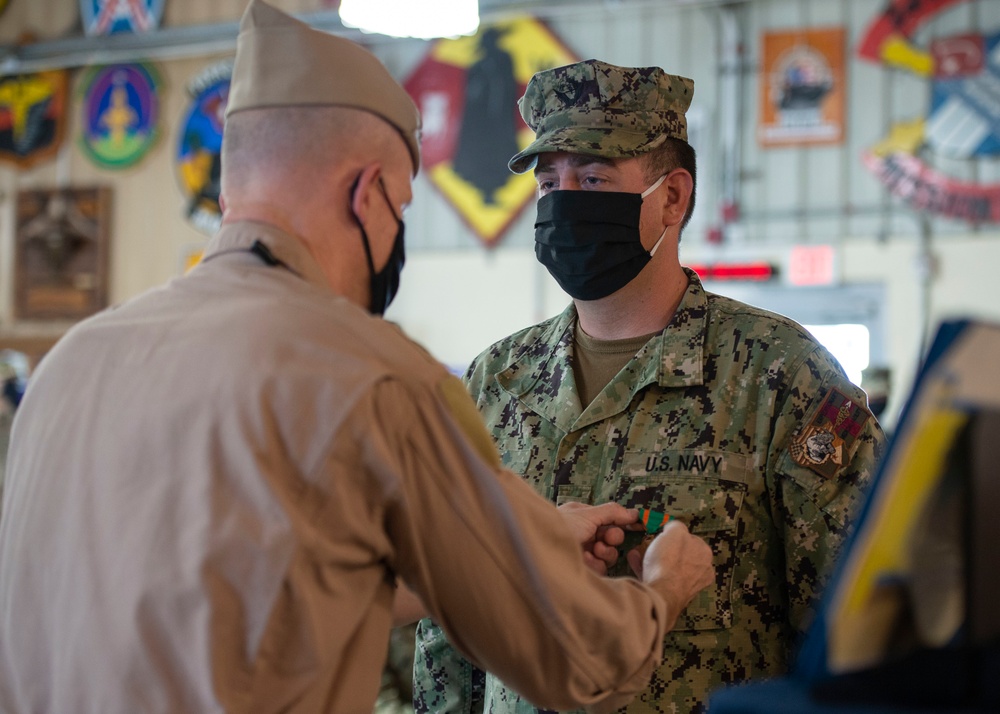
[823, 444]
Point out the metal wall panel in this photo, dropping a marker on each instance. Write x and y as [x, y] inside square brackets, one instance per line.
[788, 194]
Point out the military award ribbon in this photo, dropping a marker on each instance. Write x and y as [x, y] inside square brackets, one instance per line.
[652, 523]
[653, 520]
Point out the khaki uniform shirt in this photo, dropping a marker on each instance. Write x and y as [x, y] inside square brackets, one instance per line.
[733, 420]
[213, 487]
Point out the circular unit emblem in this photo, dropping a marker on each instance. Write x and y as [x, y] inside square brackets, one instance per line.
[200, 145]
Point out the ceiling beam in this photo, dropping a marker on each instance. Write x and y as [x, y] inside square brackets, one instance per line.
[200, 40]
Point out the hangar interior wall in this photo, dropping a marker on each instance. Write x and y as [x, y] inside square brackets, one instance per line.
[458, 296]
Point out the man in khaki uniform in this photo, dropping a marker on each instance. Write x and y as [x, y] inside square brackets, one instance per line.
[649, 391]
[215, 487]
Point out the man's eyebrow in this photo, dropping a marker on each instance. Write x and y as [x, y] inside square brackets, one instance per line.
[575, 160]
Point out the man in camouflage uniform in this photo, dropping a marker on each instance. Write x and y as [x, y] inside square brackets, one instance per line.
[652, 392]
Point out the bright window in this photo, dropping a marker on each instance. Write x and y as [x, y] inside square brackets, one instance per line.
[848, 343]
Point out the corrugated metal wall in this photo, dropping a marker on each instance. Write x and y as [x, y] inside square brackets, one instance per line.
[457, 296]
[788, 194]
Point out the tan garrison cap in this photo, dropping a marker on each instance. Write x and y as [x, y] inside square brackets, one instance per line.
[282, 62]
[600, 109]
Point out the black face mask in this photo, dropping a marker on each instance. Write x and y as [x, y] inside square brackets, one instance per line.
[589, 240]
[384, 284]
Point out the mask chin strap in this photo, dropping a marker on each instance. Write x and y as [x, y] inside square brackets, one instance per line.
[645, 193]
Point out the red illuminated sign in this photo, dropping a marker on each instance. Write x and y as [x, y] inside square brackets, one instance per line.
[754, 271]
[811, 265]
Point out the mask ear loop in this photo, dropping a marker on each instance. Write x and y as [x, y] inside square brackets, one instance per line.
[653, 187]
[645, 193]
[656, 245]
[392, 209]
[364, 234]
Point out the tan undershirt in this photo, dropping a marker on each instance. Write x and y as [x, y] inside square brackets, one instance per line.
[596, 362]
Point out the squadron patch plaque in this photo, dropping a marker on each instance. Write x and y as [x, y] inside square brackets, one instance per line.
[121, 112]
[962, 120]
[467, 89]
[108, 17]
[32, 116]
[199, 163]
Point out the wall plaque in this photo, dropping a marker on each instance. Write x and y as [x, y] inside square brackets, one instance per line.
[61, 253]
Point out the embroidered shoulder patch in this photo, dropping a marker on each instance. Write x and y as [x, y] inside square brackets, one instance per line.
[821, 445]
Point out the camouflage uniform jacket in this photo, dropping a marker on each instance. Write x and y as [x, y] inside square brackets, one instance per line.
[734, 420]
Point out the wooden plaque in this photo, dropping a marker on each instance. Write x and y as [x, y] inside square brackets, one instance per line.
[61, 253]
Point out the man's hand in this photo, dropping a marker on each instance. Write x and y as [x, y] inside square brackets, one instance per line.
[677, 564]
[599, 530]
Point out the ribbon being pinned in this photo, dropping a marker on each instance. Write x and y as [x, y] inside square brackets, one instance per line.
[652, 523]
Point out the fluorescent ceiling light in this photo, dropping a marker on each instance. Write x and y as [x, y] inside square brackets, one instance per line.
[425, 19]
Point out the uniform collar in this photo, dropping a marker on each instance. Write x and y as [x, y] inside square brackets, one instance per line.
[541, 376]
[679, 357]
[285, 247]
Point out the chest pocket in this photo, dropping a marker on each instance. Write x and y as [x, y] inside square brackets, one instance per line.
[527, 464]
[704, 490]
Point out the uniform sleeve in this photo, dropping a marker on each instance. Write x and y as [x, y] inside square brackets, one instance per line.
[493, 561]
[823, 457]
[444, 682]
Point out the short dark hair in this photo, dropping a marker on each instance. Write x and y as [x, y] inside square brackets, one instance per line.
[673, 154]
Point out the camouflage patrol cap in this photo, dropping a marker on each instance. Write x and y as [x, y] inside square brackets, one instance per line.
[600, 109]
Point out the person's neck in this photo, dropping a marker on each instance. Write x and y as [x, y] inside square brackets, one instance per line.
[263, 212]
[644, 306]
[320, 237]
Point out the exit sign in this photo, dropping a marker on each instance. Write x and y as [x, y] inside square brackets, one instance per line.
[811, 265]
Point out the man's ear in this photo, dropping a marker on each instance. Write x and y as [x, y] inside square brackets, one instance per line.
[363, 190]
[678, 186]
[222, 202]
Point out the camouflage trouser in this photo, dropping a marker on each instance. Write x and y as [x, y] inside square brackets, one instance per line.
[396, 691]
[444, 682]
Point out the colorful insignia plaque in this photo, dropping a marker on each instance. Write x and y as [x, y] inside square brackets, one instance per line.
[802, 87]
[32, 116]
[61, 252]
[467, 91]
[962, 120]
[107, 17]
[121, 112]
[200, 145]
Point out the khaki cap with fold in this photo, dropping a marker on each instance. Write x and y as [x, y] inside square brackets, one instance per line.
[282, 62]
[600, 109]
